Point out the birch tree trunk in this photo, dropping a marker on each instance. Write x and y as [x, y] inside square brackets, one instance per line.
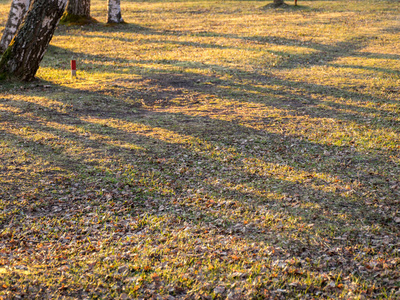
[77, 13]
[78, 8]
[22, 58]
[17, 13]
[114, 12]
[278, 3]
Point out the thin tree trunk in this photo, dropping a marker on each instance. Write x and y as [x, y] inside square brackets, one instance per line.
[17, 13]
[114, 12]
[22, 58]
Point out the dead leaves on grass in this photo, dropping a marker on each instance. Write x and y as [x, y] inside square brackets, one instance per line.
[215, 178]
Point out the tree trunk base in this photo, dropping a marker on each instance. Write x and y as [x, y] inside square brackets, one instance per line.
[273, 5]
[115, 23]
[4, 75]
[70, 19]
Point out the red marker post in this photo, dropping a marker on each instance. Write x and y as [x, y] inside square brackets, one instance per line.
[73, 68]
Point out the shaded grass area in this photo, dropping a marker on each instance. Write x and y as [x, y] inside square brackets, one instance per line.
[207, 151]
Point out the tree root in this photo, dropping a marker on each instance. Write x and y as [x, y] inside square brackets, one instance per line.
[70, 19]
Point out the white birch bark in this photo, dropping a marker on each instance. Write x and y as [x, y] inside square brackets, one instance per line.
[17, 13]
[114, 12]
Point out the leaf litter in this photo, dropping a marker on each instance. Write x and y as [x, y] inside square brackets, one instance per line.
[214, 177]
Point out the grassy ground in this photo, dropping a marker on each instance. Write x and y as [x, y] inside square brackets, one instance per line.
[207, 150]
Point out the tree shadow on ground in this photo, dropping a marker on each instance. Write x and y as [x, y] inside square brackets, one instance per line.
[221, 171]
[272, 146]
[203, 169]
[295, 96]
[216, 168]
[325, 54]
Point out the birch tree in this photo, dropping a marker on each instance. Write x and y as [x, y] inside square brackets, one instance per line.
[278, 3]
[78, 8]
[17, 13]
[114, 12]
[77, 12]
[22, 58]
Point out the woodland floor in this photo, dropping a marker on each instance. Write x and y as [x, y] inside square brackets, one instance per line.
[207, 150]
